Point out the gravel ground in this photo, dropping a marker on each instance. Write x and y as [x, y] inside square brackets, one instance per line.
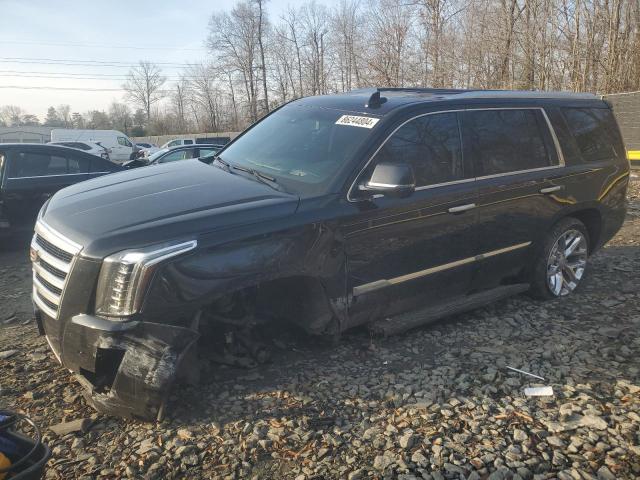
[434, 403]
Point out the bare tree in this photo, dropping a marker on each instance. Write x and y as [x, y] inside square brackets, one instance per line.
[144, 86]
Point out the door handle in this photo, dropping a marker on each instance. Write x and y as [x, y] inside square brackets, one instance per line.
[551, 189]
[462, 208]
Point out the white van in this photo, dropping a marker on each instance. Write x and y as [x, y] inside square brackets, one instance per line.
[120, 145]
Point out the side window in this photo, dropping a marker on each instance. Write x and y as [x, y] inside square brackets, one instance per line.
[188, 142]
[173, 156]
[78, 164]
[503, 141]
[124, 142]
[431, 145]
[204, 152]
[100, 165]
[595, 132]
[30, 164]
[173, 143]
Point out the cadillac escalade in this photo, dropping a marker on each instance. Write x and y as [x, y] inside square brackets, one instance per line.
[390, 207]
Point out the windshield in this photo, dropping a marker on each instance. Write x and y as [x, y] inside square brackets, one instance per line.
[302, 147]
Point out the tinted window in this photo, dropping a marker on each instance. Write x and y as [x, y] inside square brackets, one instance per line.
[204, 152]
[502, 141]
[99, 165]
[31, 164]
[179, 155]
[431, 145]
[77, 164]
[188, 142]
[595, 132]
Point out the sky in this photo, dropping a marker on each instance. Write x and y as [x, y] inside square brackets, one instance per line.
[91, 44]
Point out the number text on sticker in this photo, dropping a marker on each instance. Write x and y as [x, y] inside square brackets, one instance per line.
[357, 121]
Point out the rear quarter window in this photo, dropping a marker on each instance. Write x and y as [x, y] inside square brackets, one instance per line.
[595, 132]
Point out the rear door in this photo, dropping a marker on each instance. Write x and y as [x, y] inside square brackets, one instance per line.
[32, 176]
[519, 184]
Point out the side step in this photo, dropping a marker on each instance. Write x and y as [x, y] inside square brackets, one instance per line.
[407, 321]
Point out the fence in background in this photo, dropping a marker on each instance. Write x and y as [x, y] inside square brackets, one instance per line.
[626, 107]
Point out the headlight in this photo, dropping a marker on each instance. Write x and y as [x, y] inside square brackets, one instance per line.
[125, 276]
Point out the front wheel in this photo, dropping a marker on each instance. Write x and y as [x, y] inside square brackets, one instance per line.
[561, 264]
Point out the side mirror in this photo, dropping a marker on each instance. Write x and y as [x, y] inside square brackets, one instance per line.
[391, 179]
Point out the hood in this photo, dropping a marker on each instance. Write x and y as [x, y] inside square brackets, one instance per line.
[149, 205]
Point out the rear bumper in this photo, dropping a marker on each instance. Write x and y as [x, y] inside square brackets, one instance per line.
[126, 368]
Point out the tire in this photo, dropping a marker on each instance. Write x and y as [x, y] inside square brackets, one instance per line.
[569, 270]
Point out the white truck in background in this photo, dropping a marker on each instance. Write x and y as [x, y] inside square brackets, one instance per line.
[121, 146]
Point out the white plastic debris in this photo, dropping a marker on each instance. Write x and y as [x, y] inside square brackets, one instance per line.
[538, 392]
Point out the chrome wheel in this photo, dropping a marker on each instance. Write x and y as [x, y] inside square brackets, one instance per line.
[566, 263]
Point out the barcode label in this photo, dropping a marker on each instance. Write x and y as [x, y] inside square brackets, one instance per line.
[356, 121]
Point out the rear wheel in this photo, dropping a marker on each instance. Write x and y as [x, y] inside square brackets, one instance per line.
[561, 264]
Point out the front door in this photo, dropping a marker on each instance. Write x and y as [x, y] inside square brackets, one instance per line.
[407, 252]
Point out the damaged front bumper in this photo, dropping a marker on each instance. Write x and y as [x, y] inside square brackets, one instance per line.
[127, 368]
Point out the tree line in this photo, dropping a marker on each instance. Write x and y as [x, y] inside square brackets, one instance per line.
[258, 61]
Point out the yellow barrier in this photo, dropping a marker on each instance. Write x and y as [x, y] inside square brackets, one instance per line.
[633, 154]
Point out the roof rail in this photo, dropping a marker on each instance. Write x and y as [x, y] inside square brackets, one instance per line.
[444, 91]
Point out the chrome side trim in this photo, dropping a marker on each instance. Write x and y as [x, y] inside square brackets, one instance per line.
[378, 284]
[552, 131]
[54, 175]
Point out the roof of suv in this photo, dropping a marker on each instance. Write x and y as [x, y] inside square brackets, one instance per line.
[380, 101]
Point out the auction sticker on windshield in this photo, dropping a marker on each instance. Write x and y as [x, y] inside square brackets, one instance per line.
[357, 121]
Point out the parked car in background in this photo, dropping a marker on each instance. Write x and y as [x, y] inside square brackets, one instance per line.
[220, 141]
[31, 173]
[87, 147]
[121, 146]
[173, 154]
[147, 149]
[393, 207]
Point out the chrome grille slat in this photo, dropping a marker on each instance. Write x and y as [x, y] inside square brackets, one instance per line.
[54, 250]
[54, 280]
[53, 257]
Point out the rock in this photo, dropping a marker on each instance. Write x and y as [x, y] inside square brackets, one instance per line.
[407, 440]
[382, 462]
[190, 460]
[79, 425]
[7, 354]
[419, 459]
[555, 441]
[357, 474]
[605, 474]
[520, 435]
[591, 421]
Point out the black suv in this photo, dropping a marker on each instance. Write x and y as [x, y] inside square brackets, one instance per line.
[31, 173]
[391, 207]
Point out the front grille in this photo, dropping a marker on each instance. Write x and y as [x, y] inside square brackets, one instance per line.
[52, 257]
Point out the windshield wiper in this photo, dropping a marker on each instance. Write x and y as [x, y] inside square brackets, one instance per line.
[223, 162]
[258, 175]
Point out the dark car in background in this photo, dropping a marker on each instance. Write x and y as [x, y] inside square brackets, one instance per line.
[387, 207]
[174, 154]
[31, 173]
